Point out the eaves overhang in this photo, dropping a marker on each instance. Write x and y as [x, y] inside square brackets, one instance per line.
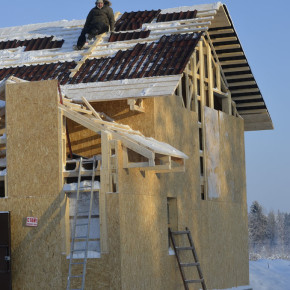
[244, 89]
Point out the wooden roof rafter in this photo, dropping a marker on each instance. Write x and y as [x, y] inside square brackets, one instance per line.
[156, 156]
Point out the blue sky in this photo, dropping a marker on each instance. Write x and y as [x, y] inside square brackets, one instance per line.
[263, 28]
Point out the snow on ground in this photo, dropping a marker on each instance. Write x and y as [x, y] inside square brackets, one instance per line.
[270, 274]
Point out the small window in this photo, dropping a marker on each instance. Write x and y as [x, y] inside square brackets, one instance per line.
[202, 193]
[199, 110]
[172, 219]
[201, 166]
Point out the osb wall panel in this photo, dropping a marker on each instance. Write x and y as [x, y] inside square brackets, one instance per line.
[232, 165]
[219, 226]
[144, 236]
[105, 272]
[86, 143]
[32, 139]
[36, 251]
[228, 250]
[225, 157]
[34, 184]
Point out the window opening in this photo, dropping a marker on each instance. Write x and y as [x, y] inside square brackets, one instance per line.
[94, 248]
[217, 103]
[202, 194]
[201, 165]
[172, 220]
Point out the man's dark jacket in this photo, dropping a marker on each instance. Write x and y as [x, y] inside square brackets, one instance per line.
[104, 15]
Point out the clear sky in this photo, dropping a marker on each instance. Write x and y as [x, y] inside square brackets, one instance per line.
[263, 28]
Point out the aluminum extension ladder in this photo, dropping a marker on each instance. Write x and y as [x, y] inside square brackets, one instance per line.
[73, 277]
[181, 265]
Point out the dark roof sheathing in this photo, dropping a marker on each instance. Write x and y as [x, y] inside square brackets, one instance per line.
[32, 44]
[176, 16]
[40, 72]
[134, 20]
[128, 35]
[144, 60]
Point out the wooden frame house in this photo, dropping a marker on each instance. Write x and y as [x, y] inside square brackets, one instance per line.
[146, 126]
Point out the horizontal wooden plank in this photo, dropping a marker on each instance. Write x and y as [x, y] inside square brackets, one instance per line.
[236, 84]
[242, 76]
[230, 62]
[249, 90]
[227, 46]
[236, 69]
[116, 90]
[247, 98]
[255, 104]
[221, 31]
[224, 39]
[230, 54]
[259, 126]
[255, 111]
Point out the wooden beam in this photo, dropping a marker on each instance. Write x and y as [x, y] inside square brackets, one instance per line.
[224, 39]
[236, 84]
[210, 76]
[249, 90]
[255, 111]
[237, 69]
[247, 98]
[91, 108]
[242, 76]
[227, 46]
[230, 62]
[255, 104]
[221, 31]
[230, 54]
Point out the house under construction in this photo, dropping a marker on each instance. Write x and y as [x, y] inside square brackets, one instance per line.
[120, 158]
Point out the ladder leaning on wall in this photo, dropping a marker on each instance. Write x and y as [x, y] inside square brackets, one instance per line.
[77, 269]
[181, 265]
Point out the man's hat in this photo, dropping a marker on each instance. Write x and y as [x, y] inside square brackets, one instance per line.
[99, 1]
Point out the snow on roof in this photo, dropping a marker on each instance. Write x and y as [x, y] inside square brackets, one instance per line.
[120, 89]
[45, 51]
[200, 7]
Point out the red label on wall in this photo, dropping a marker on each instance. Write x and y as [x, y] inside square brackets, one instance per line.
[31, 221]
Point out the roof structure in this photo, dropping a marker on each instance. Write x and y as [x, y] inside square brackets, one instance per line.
[146, 54]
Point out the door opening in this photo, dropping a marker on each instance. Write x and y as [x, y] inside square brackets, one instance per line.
[5, 251]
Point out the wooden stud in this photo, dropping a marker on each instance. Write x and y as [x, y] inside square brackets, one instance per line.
[210, 76]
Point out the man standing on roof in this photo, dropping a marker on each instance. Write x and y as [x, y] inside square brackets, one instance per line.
[98, 21]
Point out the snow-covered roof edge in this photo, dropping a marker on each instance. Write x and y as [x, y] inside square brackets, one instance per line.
[199, 7]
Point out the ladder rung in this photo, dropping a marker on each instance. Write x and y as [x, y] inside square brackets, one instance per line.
[80, 237]
[189, 264]
[79, 250]
[82, 224]
[180, 232]
[184, 248]
[78, 263]
[83, 212]
[83, 199]
[194, 281]
[76, 276]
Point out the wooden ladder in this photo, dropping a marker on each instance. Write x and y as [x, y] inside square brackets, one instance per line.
[74, 266]
[181, 265]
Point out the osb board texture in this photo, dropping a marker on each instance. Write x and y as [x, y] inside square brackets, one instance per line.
[32, 139]
[36, 251]
[225, 157]
[86, 143]
[103, 273]
[219, 227]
